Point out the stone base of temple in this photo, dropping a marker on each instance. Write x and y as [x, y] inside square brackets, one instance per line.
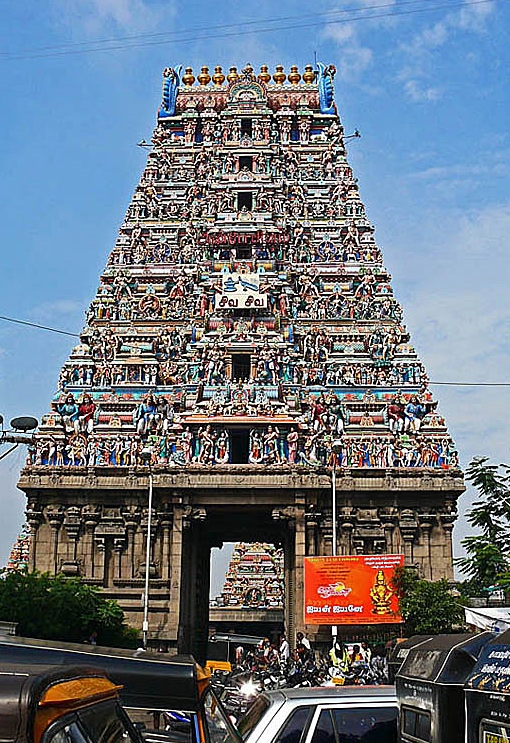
[92, 522]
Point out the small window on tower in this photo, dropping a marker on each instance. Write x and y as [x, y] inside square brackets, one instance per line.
[245, 162]
[245, 199]
[241, 366]
[240, 441]
[246, 127]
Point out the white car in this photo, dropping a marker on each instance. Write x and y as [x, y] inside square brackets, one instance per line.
[343, 714]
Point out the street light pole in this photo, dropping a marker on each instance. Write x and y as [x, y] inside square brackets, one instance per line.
[335, 449]
[146, 457]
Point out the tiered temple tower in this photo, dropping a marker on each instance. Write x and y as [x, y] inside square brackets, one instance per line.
[254, 579]
[246, 333]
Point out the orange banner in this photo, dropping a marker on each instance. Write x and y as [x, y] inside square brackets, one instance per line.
[351, 589]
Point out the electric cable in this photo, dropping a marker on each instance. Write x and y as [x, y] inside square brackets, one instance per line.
[76, 335]
[7, 56]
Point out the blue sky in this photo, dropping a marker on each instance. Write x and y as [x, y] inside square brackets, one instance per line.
[426, 83]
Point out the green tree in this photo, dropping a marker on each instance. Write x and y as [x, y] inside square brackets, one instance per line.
[58, 608]
[427, 607]
[487, 561]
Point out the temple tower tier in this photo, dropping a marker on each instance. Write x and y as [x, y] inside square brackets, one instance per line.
[244, 340]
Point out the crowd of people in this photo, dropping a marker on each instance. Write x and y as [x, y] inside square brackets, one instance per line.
[348, 661]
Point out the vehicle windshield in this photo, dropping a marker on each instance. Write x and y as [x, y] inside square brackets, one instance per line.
[99, 723]
[219, 727]
[252, 716]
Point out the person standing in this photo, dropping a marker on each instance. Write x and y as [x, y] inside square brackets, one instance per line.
[283, 650]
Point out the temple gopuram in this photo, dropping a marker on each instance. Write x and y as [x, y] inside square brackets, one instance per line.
[254, 579]
[244, 340]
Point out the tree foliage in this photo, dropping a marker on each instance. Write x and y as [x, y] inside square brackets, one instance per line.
[58, 608]
[487, 561]
[427, 607]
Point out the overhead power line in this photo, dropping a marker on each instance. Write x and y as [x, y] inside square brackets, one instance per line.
[76, 335]
[246, 28]
[36, 325]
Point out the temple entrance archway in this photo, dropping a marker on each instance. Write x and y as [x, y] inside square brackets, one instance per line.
[241, 524]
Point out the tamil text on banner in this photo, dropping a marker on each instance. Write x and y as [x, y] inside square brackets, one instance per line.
[240, 290]
[351, 589]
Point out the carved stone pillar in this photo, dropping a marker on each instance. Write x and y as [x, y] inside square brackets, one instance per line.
[119, 544]
[33, 517]
[388, 521]
[447, 521]
[55, 517]
[166, 522]
[408, 529]
[131, 518]
[358, 545]
[90, 520]
[312, 517]
[426, 521]
[176, 558]
[100, 562]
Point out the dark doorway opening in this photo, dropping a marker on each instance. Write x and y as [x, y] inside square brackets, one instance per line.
[244, 198]
[240, 446]
[245, 161]
[244, 252]
[241, 365]
[246, 127]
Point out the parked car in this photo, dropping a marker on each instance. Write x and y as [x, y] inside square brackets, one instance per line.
[70, 704]
[347, 714]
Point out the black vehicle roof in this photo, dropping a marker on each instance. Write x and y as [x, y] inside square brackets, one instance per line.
[150, 681]
[491, 672]
[444, 659]
[21, 687]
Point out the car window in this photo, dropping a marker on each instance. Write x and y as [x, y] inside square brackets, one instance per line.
[324, 731]
[295, 727]
[252, 716]
[219, 727]
[69, 733]
[107, 723]
[366, 724]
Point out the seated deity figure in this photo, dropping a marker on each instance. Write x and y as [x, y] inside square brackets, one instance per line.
[70, 414]
[86, 411]
[413, 414]
[396, 416]
[145, 414]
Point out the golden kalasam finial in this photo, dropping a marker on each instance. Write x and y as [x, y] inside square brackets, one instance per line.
[204, 78]
[279, 76]
[308, 75]
[188, 78]
[294, 77]
[264, 76]
[232, 75]
[218, 78]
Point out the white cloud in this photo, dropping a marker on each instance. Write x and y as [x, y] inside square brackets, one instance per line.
[99, 16]
[418, 92]
[419, 51]
[354, 58]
